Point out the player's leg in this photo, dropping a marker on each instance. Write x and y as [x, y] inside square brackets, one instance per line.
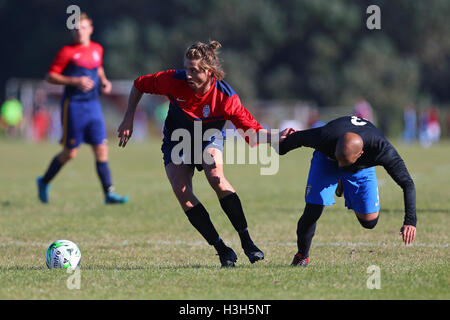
[229, 201]
[72, 127]
[104, 174]
[339, 189]
[58, 161]
[361, 196]
[180, 178]
[320, 188]
[306, 228]
[368, 220]
[95, 135]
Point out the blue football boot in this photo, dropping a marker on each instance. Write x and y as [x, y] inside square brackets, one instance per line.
[112, 198]
[43, 190]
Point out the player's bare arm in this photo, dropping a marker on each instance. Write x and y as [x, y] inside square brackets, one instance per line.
[125, 129]
[106, 86]
[399, 173]
[272, 138]
[83, 83]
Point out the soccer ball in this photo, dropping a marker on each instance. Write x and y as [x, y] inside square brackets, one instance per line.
[63, 254]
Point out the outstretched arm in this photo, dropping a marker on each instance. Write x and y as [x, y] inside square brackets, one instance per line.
[125, 129]
[249, 128]
[272, 137]
[156, 83]
[307, 138]
[396, 168]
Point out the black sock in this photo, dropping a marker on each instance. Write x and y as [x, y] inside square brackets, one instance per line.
[220, 246]
[105, 175]
[199, 218]
[306, 227]
[245, 237]
[52, 170]
[232, 206]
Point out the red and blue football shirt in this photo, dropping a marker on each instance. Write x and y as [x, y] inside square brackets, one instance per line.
[78, 60]
[213, 109]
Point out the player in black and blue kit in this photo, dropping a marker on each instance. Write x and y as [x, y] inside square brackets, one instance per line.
[346, 151]
[79, 68]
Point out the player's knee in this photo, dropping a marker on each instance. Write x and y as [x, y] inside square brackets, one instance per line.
[67, 154]
[218, 183]
[368, 224]
[215, 182]
[181, 190]
[101, 153]
[185, 197]
[72, 154]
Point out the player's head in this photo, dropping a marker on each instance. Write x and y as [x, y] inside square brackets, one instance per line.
[349, 148]
[202, 64]
[82, 34]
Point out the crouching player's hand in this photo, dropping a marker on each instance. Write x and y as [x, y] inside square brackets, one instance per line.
[408, 233]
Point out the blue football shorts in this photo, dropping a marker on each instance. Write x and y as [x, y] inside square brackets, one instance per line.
[82, 122]
[360, 188]
[167, 147]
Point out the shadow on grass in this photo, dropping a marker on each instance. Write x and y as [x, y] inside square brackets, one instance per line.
[23, 268]
[180, 267]
[418, 210]
[149, 267]
[387, 210]
[156, 267]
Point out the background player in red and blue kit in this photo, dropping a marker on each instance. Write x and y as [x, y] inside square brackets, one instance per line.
[79, 68]
[198, 94]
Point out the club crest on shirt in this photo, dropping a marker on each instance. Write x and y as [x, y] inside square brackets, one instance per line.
[206, 111]
[96, 55]
[308, 190]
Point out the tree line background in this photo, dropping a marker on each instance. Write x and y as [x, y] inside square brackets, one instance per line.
[316, 51]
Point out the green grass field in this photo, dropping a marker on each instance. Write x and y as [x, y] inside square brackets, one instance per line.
[147, 249]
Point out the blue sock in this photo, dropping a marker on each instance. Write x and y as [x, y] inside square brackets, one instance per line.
[105, 176]
[52, 170]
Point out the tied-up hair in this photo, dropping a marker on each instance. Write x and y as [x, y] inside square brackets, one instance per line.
[208, 56]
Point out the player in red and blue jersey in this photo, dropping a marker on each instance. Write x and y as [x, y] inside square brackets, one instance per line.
[199, 96]
[79, 68]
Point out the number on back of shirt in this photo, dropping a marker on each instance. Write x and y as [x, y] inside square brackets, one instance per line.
[358, 121]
